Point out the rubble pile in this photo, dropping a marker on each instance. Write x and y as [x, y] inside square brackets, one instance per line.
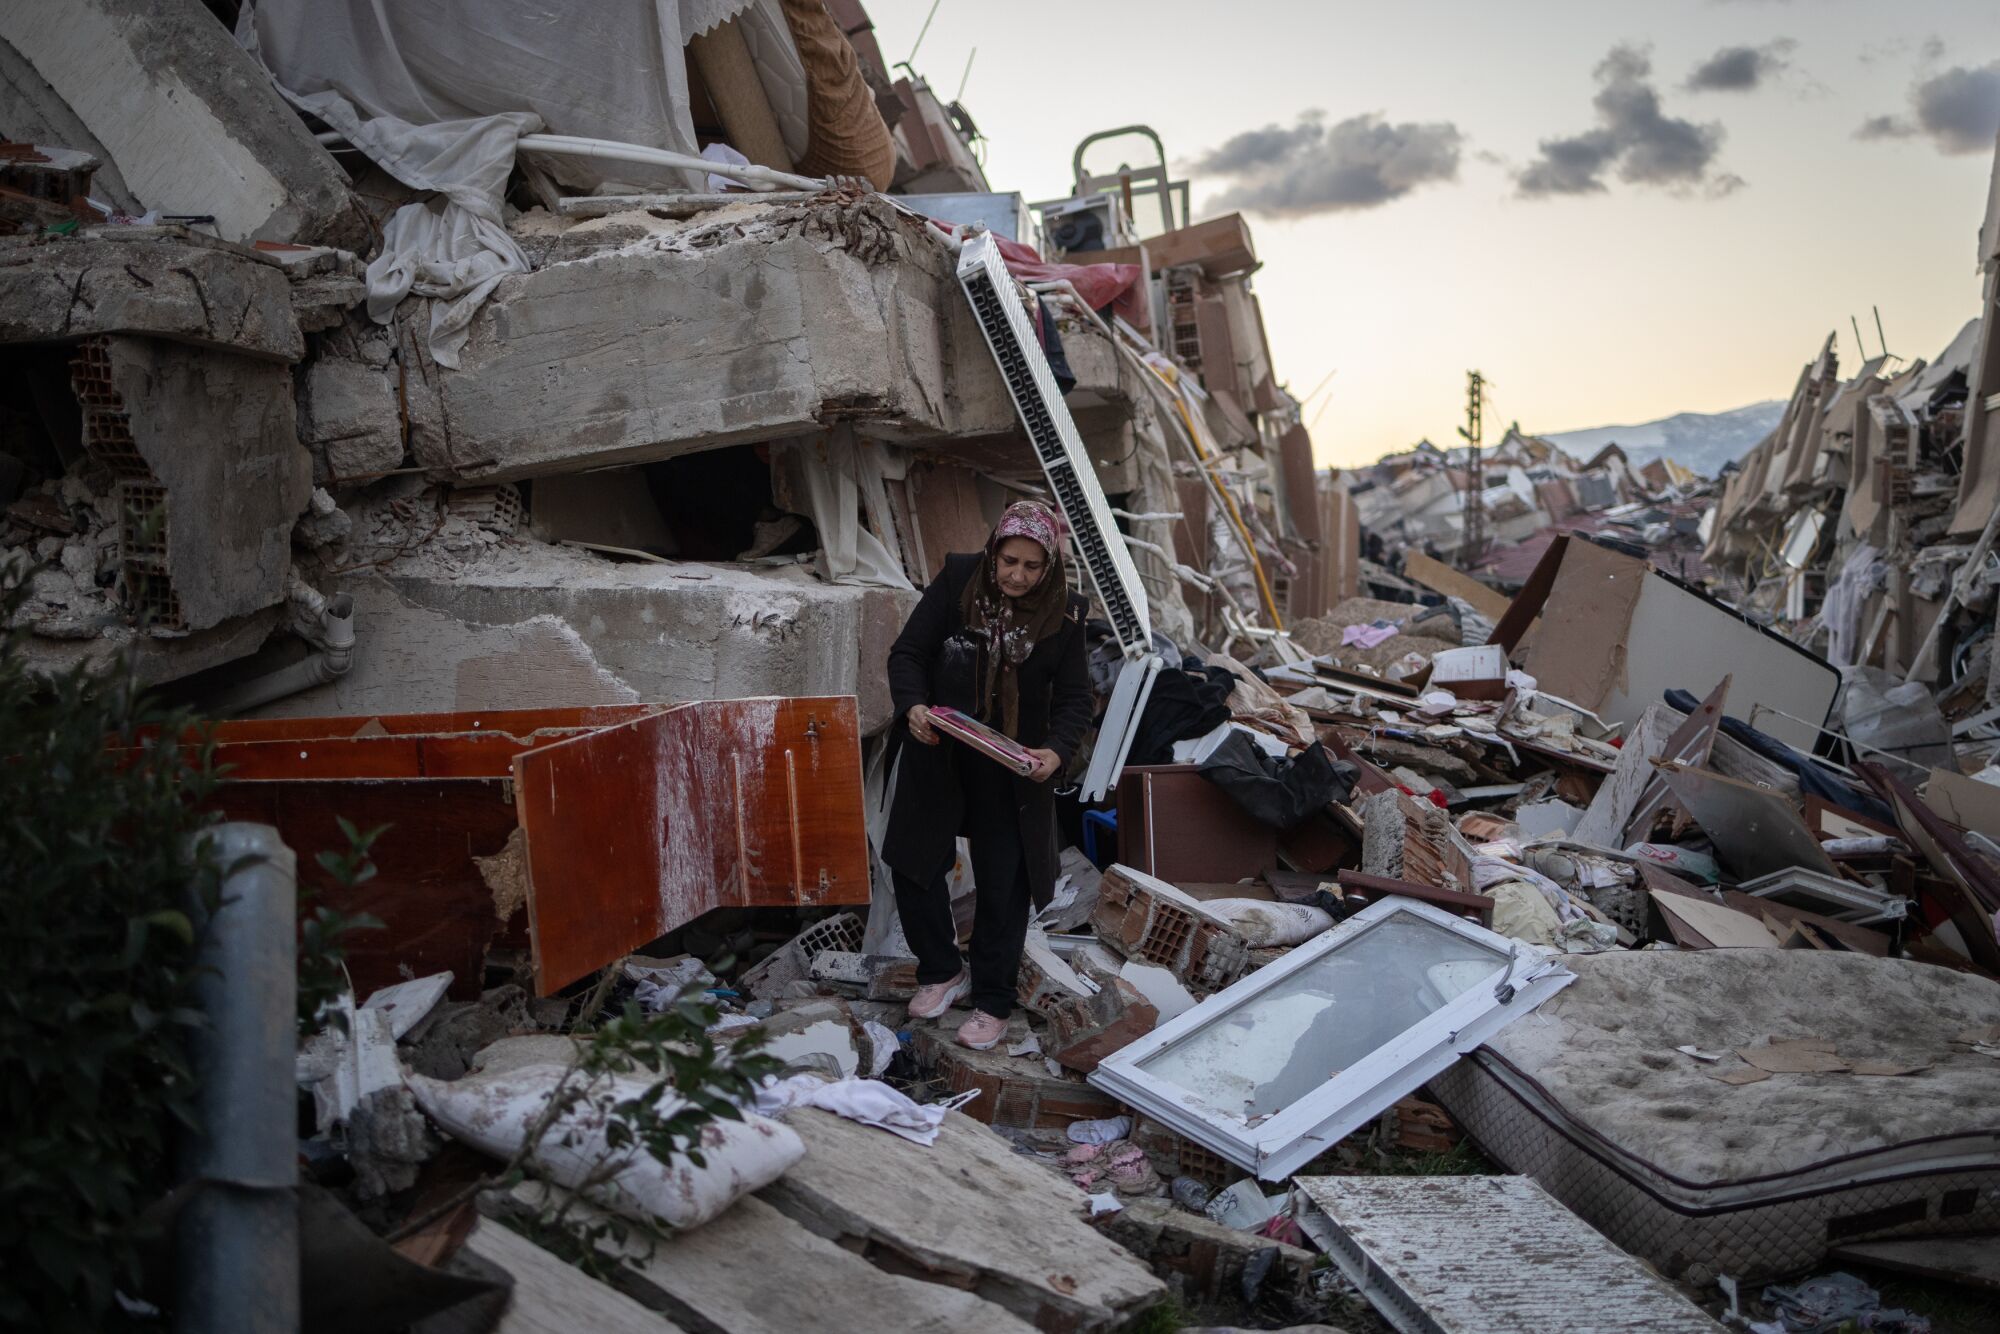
[540, 482]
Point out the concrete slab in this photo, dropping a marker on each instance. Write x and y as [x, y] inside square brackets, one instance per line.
[755, 1271]
[967, 1210]
[157, 285]
[750, 323]
[190, 120]
[524, 625]
[552, 1296]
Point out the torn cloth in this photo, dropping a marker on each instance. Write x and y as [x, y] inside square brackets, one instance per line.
[438, 95]
[868, 1101]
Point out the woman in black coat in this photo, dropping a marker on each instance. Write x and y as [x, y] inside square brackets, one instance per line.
[999, 636]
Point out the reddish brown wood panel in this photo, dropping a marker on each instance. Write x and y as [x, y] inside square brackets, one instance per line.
[521, 723]
[635, 830]
[1175, 824]
[435, 908]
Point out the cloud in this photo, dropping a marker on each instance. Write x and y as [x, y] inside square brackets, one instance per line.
[1635, 139]
[1958, 110]
[1741, 69]
[1313, 167]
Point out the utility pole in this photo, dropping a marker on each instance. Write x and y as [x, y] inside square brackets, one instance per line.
[1475, 497]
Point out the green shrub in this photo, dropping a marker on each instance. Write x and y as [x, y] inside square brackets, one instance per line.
[96, 972]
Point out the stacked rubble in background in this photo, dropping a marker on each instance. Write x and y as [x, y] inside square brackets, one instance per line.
[1863, 525]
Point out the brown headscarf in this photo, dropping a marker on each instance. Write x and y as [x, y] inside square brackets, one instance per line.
[1009, 628]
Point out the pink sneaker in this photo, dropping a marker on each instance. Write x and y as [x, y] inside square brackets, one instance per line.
[933, 1000]
[981, 1031]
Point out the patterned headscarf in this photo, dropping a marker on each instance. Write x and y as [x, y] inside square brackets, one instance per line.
[1009, 628]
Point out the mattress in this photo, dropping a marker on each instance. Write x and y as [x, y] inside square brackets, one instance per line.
[1591, 1097]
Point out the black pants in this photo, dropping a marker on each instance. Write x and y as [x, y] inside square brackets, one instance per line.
[1001, 897]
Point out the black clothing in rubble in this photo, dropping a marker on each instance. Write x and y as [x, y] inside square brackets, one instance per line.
[1281, 793]
[940, 792]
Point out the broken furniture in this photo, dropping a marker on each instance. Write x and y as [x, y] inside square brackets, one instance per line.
[610, 825]
[1714, 1167]
[1614, 635]
[1175, 824]
[1273, 1071]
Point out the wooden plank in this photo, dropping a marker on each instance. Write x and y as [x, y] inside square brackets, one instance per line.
[1369, 888]
[1441, 578]
[633, 831]
[1724, 928]
[1860, 939]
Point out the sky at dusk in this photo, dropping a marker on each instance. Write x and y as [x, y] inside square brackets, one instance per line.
[1616, 209]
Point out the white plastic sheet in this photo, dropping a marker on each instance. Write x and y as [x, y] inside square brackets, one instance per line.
[437, 94]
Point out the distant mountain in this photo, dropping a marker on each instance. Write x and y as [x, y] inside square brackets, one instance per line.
[1703, 441]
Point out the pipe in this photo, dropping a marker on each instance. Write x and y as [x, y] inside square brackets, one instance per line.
[567, 145]
[237, 1236]
[322, 668]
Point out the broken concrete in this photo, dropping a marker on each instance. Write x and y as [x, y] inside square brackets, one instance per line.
[516, 626]
[755, 1271]
[1203, 1260]
[1012, 1232]
[348, 419]
[1015, 1092]
[751, 323]
[159, 281]
[216, 520]
[185, 120]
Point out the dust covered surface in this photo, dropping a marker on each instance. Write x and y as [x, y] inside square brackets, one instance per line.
[1604, 1050]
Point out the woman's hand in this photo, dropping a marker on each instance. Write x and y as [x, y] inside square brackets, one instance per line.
[1046, 764]
[920, 725]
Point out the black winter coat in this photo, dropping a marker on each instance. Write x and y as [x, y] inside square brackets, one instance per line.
[927, 811]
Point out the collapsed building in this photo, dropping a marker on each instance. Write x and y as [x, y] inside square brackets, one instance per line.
[1863, 522]
[665, 448]
[1528, 489]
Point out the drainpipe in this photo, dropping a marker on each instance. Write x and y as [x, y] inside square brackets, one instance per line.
[328, 665]
[238, 1233]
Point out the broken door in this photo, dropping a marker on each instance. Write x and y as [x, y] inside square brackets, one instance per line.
[638, 829]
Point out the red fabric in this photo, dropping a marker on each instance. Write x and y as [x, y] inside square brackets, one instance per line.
[1120, 286]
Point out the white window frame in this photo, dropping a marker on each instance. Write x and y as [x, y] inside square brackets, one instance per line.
[1287, 1140]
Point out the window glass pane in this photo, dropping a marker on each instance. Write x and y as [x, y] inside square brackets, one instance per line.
[1273, 1048]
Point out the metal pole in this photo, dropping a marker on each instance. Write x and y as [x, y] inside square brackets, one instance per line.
[239, 1231]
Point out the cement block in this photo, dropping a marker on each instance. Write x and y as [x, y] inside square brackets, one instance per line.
[967, 1210]
[348, 418]
[218, 433]
[190, 121]
[152, 282]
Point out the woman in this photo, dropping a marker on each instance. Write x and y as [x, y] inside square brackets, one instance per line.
[998, 635]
